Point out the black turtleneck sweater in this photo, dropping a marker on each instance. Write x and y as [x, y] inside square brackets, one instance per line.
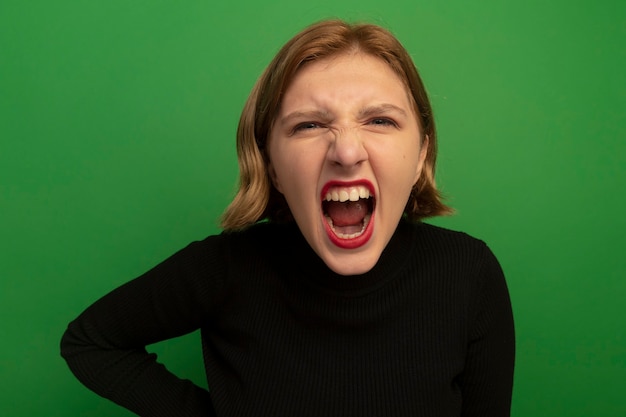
[427, 332]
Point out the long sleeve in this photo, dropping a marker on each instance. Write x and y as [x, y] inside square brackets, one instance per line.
[427, 332]
[487, 380]
[105, 346]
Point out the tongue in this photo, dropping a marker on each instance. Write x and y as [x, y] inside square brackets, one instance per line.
[350, 213]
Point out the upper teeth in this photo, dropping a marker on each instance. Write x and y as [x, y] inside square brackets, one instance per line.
[342, 194]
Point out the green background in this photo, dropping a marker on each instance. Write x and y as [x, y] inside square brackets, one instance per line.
[117, 123]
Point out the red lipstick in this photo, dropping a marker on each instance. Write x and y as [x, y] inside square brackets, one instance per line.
[351, 205]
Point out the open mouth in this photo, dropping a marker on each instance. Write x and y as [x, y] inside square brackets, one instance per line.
[348, 210]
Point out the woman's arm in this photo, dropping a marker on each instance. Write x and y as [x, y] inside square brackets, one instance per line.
[105, 346]
[487, 380]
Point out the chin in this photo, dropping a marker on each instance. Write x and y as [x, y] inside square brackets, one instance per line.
[351, 262]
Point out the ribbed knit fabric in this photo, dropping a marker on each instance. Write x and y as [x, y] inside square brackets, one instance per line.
[427, 332]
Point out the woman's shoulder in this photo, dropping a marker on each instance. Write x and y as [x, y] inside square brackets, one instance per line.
[451, 247]
[256, 241]
[444, 236]
[266, 233]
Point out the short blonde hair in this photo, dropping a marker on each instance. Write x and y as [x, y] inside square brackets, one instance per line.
[256, 198]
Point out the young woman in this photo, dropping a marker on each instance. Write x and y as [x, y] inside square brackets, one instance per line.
[325, 295]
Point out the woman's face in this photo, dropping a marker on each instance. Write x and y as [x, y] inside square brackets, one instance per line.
[345, 151]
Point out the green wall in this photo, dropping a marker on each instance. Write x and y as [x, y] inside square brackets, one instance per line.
[117, 123]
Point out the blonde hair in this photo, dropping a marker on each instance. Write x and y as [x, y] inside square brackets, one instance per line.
[256, 198]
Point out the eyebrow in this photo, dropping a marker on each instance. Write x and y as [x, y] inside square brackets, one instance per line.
[326, 115]
[381, 109]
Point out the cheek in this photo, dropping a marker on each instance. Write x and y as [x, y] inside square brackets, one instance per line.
[421, 161]
[398, 170]
[279, 168]
[289, 175]
[392, 161]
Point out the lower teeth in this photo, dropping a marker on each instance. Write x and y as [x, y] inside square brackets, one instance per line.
[366, 221]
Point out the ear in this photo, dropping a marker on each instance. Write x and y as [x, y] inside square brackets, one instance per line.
[272, 173]
[421, 158]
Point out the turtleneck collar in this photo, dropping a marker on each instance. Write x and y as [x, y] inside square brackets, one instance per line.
[301, 262]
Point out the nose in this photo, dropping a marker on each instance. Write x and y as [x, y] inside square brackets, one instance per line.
[346, 149]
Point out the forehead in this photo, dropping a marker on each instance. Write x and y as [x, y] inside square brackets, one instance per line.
[347, 76]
